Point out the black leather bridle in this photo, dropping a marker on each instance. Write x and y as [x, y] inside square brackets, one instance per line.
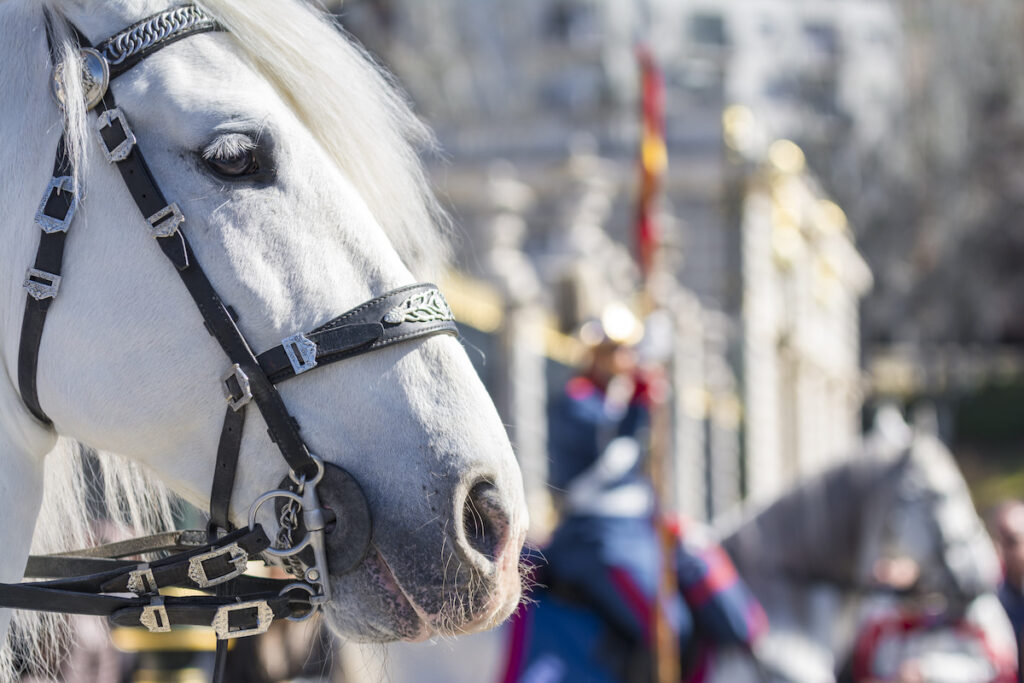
[214, 560]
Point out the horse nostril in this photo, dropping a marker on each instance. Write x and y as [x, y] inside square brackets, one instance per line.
[484, 520]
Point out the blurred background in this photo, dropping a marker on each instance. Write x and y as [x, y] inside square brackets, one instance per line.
[838, 220]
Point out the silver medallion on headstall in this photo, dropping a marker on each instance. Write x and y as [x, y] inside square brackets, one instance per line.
[95, 78]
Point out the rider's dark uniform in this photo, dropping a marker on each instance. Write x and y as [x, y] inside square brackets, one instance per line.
[591, 618]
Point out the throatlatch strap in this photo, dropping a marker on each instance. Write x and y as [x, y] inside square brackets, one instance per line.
[42, 281]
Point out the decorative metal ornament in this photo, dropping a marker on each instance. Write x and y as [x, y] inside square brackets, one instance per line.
[154, 617]
[141, 581]
[51, 224]
[424, 307]
[40, 284]
[95, 78]
[166, 221]
[154, 30]
[301, 352]
[107, 119]
[236, 386]
[232, 554]
[261, 612]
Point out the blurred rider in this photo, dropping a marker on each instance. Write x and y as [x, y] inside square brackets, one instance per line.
[592, 615]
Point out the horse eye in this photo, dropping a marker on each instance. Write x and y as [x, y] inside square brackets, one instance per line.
[242, 163]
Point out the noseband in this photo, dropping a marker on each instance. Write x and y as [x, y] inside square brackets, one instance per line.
[214, 560]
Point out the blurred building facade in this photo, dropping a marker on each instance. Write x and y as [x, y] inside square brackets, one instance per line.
[535, 104]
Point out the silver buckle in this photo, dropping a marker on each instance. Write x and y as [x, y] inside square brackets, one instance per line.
[301, 352]
[141, 581]
[124, 148]
[222, 626]
[237, 398]
[51, 224]
[154, 617]
[236, 556]
[40, 284]
[166, 221]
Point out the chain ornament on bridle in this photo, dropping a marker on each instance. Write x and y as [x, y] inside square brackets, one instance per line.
[148, 33]
[93, 581]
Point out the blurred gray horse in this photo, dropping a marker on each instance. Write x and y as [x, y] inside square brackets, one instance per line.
[893, 527]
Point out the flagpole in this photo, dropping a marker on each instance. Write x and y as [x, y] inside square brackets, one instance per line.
[653, 161]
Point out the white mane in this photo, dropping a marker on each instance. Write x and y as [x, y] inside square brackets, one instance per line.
[363, 123]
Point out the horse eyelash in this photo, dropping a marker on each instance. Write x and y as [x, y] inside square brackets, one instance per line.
[228, 146]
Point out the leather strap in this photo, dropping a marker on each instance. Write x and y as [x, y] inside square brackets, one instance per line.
[57, 204]
[225, 468]
[101, 575]
[174, 541]
[38, 598]
[177, 569]
[281, 425]
[365, 328]
[200, 611]
[182, 611]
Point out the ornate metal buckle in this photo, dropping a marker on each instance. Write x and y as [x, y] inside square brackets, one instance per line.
[40, 284]
[141, 581]
[122, 149]
[232, 553]
[261, 611]
[301, 352]
[237, 389]
[154, 617]
[51, 224]
[166, 221]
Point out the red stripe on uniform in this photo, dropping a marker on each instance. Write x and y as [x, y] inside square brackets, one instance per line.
[635, 598]
[721, 575]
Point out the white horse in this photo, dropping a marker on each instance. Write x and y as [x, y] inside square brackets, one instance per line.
[295, 162]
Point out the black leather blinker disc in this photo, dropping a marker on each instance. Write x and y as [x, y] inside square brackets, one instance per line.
[349, 540]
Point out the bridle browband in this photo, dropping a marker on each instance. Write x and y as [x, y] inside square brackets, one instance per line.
[212, 560]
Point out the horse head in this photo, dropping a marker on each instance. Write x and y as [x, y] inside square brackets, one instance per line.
[923, 534]
[292, 160]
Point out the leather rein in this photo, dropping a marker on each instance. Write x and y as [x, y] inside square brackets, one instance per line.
[213, 562]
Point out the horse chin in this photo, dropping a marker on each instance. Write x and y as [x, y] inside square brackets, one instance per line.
[371, 605]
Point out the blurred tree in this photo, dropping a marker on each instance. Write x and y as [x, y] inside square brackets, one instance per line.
[939, 202]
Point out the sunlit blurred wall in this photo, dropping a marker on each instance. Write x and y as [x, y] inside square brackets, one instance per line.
[535, 104]
[803, 281]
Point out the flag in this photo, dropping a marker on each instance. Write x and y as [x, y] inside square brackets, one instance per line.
[653, 158]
